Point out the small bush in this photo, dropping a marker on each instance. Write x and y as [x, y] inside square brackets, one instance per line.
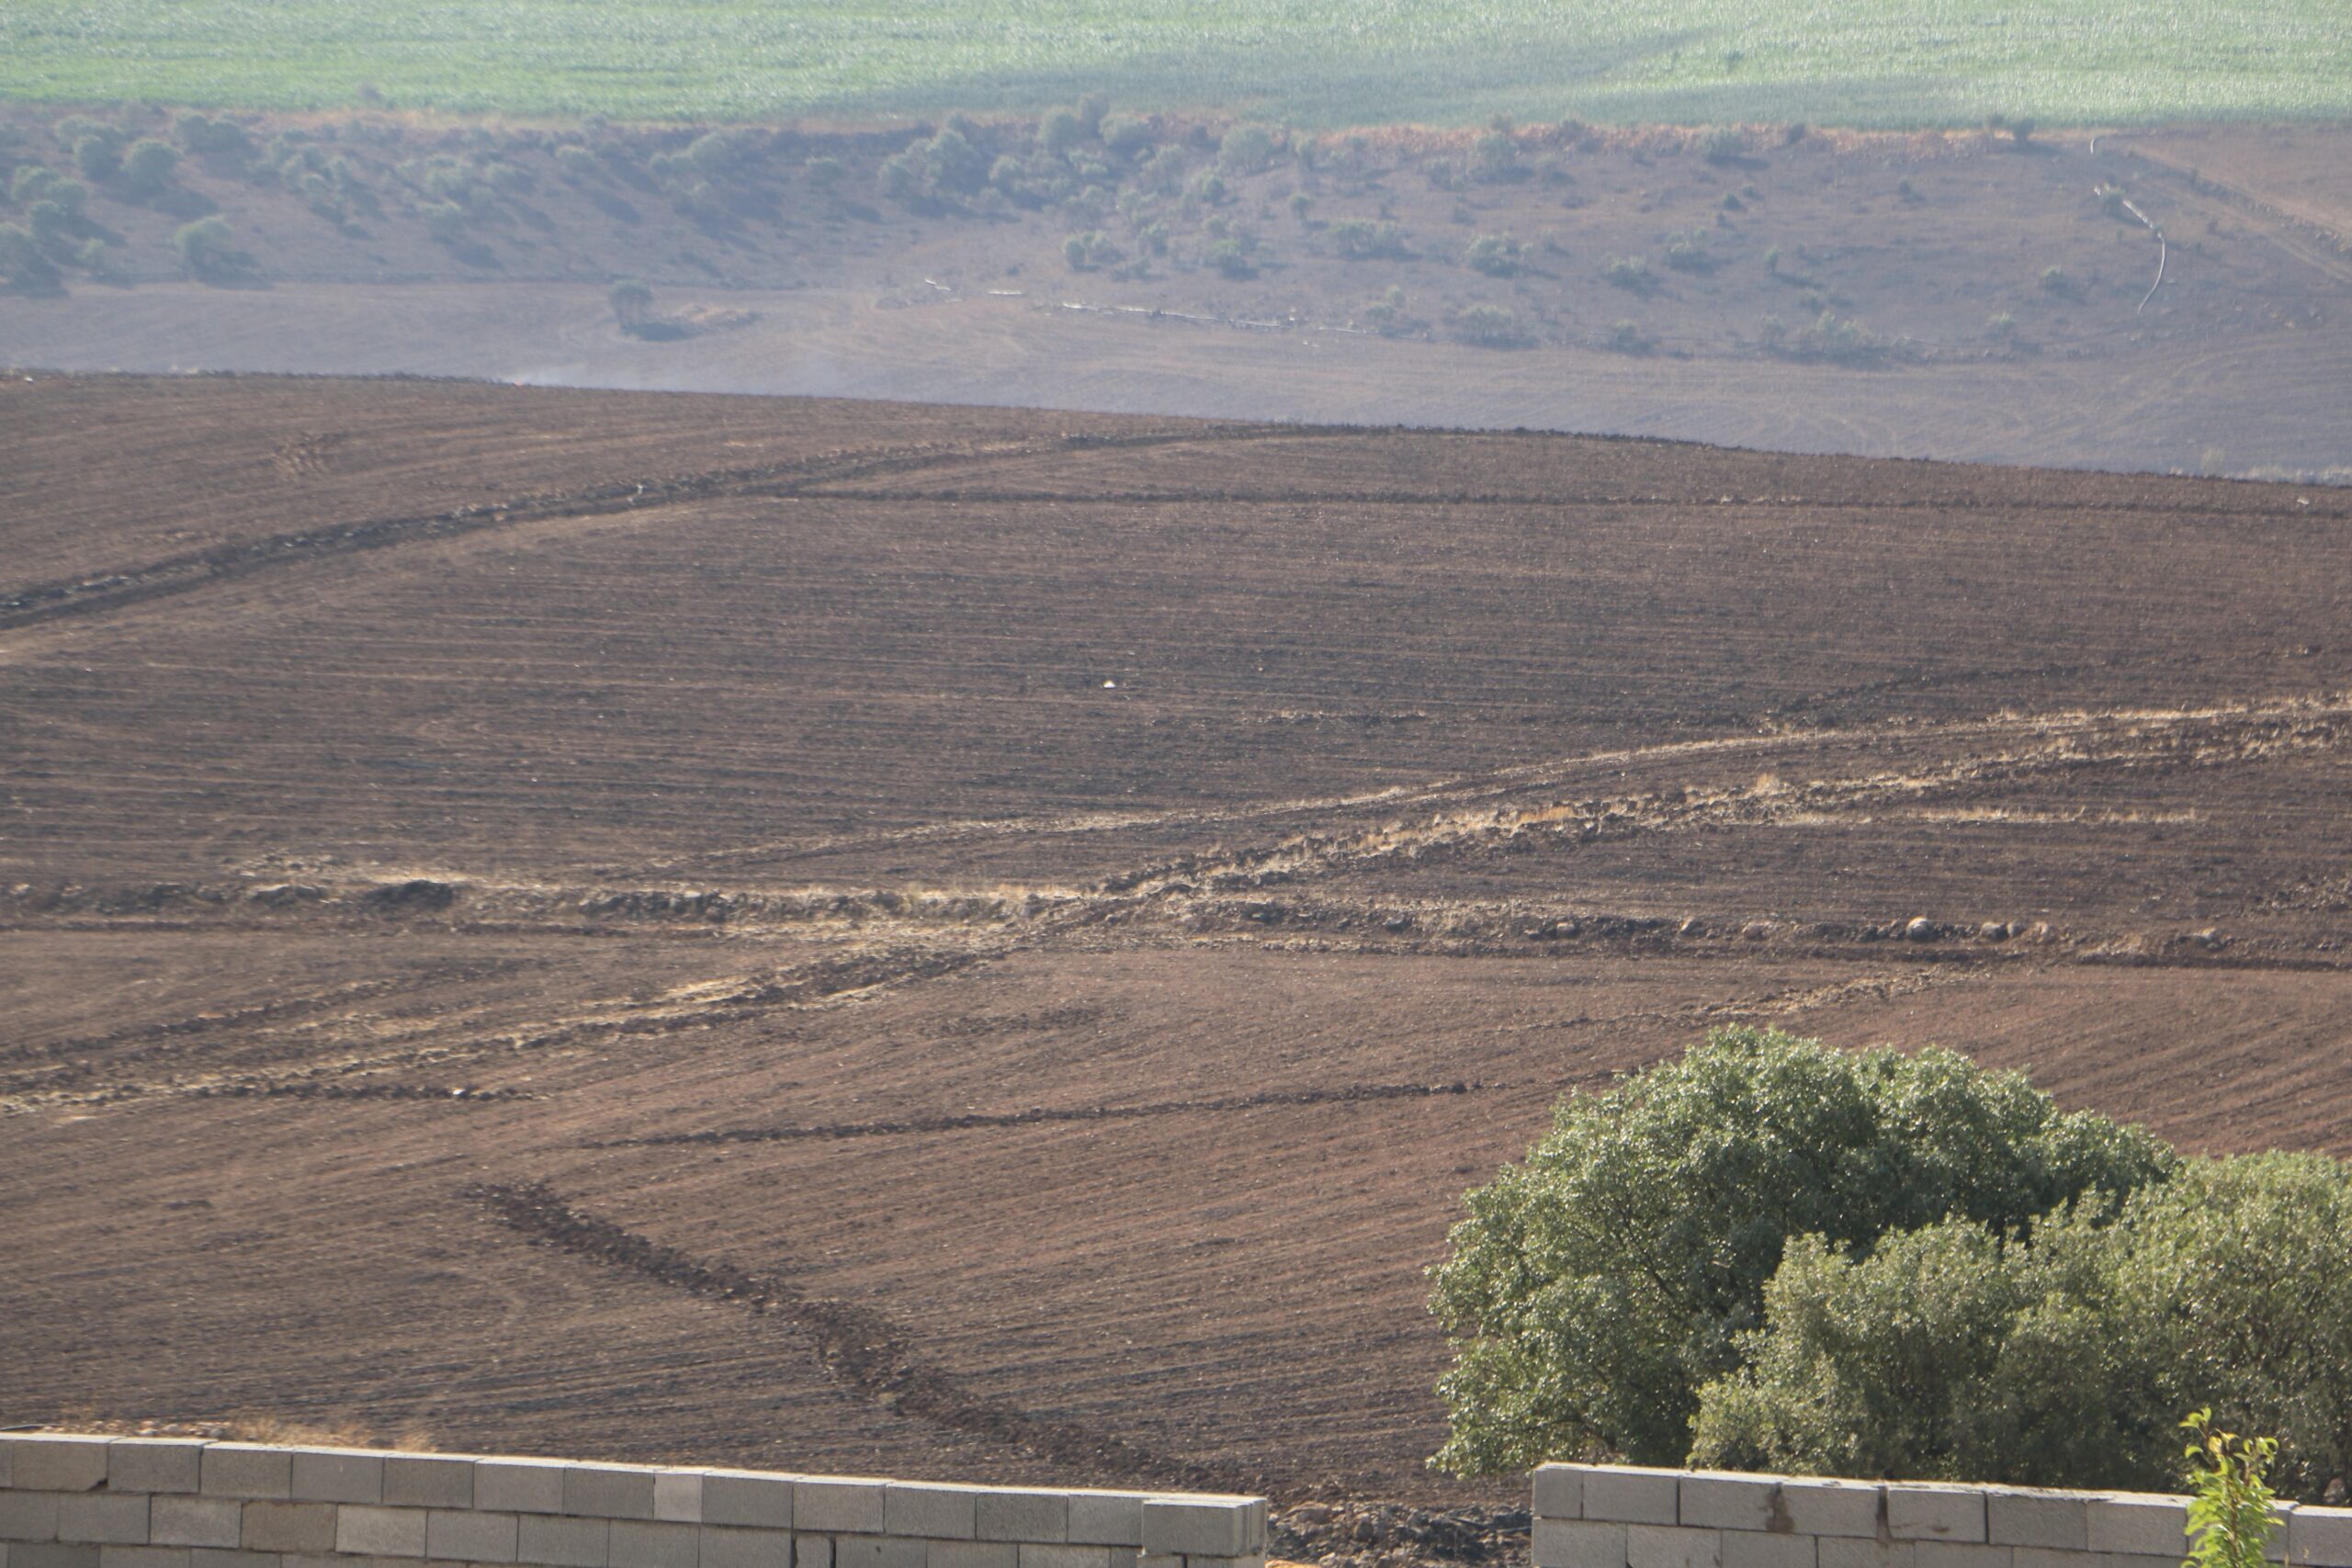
[822, 173]
[1059, 132]
[1496, 255]
[579, 163]
[1627, 337]
[1772, 260]
[23, 260]
[207, 248]
[1387, 315]
[1127, 136]
[1630, 272]
[1723, 144]
[632, 303]
[148, 167]
[2057, 280]
[1231, 257]
[1245, 150]
[1495, 156]
[1489, 326]
[99, 157]
[1086, 252]
[1360, 238]
[2232, 1517]
[202, 136]
[1689, 252]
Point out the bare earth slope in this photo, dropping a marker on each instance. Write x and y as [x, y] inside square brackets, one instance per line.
[976, 942]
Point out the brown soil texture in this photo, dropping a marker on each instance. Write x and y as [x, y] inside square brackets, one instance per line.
[1948, 295]
[971, 943]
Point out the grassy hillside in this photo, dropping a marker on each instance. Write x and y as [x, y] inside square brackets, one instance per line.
[1877, 63]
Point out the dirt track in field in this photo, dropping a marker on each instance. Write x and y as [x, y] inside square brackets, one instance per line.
[972, 943]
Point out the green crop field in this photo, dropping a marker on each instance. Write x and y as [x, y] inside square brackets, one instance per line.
[1313, 63]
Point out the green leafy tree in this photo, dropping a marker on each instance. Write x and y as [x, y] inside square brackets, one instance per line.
[1596, 1287]
[2230, 1517]
[148, 165]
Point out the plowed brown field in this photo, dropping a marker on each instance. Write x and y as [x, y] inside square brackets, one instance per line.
[977, 943]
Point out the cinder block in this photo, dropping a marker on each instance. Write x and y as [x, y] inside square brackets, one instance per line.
[1559, 1492]
[931, 1512]
[971, 1554]
[1963, 1554]
[1008, 1515]
[155, 1464]
[2138, 1524]
[812, 1551]
[428, 1481]
[1764, 1549]
[102, 1518]
[2321, 1538]
[1625, 1495]
[562, 1540]
[1106, 1519]
[1717, 1500]
[338, 1476]
[54, 1461]
[28, 1515]
[218, 1522]
[143, 1556]
[1125, 1556]
[50, 1554]
[1809, 1506]
[877, 1552]
[1048, 1554]
[1153, 1559]
[834, 1505]
[608, 1492]
[677, 1497]
[290, 1527]
[637, 1543]
[2059, 1519]
[366, 1531]
[208, 1557]
[247, 1470]
[721, 1547]
[1672, 1546]
[742, 1497]
[519, 1486]
[471, 1535]
[1852, 1551]
[1916, 1511]
[1574, 1543]
[1221, 1526]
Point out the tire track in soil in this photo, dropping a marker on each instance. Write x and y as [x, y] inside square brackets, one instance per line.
[866, 1351]
[119, 587]
[1038, 1115]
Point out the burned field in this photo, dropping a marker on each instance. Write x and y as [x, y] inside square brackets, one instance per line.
[973, 943]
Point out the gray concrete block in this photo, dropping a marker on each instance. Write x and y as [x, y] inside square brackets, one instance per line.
[366, 1531]
[290, 1527]
[877, 1551]
[471, 1535]
[1107, 1519]
[1123, 1556]
[2321, 1538]
[519, 1486]
[638, 1543]
[217, 1522]
[2138, 1524]
[1852, 1551]
[1672, 1546]
[7, 1472]
[143, 1556]
[608, 1492]
[1810, 1506]
[1559, 1492]
[155, 1464]
[812, 1551]
[1012, 1514]
[246, 1470]
[2284, 1515]
[208, 1557]
[1712, 1499]
[1961, 1554]
[29, 1515]
[1050, 1554]
[677, 1497]
[745, 1497]
[1623, 1494]
[563, 1540]
[724, 1546]
[428, 1481]
[930, 1511]
[1572, 1543]
[337, 1475]
[2059, 1519]
[1221, 1526]
[102, 1518]
[1153, 1559]
[971, 1554]
[45, 1461]
[836, 1505]
[1763, 1549]
[51, 1554]
[1256, 1561]
[1919, 1511]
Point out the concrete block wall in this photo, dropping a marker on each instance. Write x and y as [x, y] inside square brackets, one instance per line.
[1621, 1516]
[73, 1501]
